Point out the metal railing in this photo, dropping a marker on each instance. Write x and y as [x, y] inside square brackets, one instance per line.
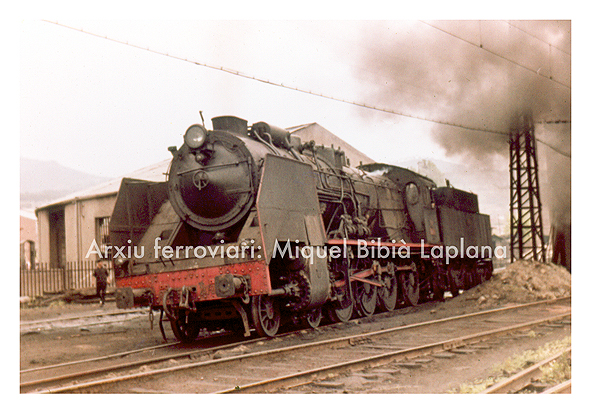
[43, 279]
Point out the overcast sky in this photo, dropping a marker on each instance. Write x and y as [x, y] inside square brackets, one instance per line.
[107, 108]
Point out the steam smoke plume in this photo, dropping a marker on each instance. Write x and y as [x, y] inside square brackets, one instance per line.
[479, 74]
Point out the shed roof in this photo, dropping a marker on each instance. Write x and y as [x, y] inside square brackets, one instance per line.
[155, 172]
[323, 136]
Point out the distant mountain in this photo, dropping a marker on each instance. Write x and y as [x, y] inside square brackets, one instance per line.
[43, 181]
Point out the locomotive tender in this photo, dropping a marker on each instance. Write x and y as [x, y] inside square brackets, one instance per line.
[255, 228]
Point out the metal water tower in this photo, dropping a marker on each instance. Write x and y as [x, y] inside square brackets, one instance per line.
[527, 238]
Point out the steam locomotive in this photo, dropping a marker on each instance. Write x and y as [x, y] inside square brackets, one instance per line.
[255, 228]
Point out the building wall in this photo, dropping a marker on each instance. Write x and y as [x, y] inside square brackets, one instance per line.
[71, 232]
[89, 211]
[28, 229]
[80, 226]
[28, 241]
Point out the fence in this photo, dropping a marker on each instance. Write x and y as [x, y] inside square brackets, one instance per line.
[43, 279]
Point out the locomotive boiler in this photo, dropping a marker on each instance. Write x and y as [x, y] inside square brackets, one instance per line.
[254, 228]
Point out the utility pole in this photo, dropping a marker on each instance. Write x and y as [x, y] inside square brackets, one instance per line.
[527, 237]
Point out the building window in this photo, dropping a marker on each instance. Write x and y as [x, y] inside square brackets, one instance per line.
[102, 235]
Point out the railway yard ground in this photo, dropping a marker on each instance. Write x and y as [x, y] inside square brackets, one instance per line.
[62, 333]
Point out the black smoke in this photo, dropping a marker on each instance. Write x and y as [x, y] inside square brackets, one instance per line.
[479, 74]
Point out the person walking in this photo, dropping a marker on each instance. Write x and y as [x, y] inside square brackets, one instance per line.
[101, 274]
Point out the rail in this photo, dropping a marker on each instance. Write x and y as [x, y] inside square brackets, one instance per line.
[98, 384]
[305, 377]
[525, 377]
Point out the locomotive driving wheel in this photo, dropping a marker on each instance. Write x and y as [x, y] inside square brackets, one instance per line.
[409, 281]
[388, 294]
[366, 296]
[313, 317]
[341, 309]
[339, 314]
[265, 315]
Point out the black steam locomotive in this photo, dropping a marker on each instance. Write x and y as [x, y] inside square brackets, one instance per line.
[255, 228]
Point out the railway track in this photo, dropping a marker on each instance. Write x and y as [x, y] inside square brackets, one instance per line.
[268, 364]
[561, 388]
[83, 320]
[529, 376]
[53, 375]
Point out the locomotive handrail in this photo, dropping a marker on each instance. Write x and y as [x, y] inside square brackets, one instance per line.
[210, 168]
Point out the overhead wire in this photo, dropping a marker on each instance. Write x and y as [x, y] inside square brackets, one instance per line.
[294, 88]
[554, 148]
[481, 47]
[280, 84]
[536, 37]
